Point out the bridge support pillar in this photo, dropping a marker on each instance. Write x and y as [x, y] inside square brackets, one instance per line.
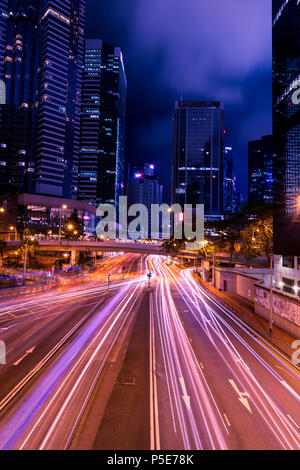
[73, 257]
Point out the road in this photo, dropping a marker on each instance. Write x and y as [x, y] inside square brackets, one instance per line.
[53, 342]
[137, 368]
[215, 385]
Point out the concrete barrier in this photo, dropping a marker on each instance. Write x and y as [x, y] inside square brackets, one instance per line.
[21, 291]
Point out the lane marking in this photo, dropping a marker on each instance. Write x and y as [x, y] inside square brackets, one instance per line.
[290, 389]
[243, 396]
[227, 420]
[294, 422]
[48, 356]
[29, 351]
[186, 398]
[154, 416]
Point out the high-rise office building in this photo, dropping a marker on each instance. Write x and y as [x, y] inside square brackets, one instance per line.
[260, 170]
[102, 152]
[144, 188]
[230, 186]
[40, 123]
[198, 145]
[286, 126]
[286, 134]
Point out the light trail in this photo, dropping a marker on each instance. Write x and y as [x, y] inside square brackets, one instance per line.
[17, 425]
[181, 367]
[212, 323]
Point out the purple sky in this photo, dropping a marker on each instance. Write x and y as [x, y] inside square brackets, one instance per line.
[198, 49]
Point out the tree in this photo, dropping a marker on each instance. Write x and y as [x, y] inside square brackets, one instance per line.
[257, 238]
[173, 246]
[17, 259]
[225, 234]
[252, 221]
[74, 227]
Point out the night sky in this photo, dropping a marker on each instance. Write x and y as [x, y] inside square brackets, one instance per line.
[197, 49]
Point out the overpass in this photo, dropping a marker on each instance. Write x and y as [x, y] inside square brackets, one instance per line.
[94, 247]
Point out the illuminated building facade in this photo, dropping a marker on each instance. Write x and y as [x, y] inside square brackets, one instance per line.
[144, 188]
[102, 152]
[286, 126]
[260, 170]
[198, 145]
[230, 184]
[43, 44]
[286, 134]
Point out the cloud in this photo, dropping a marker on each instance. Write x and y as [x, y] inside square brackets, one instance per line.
[206, 46]
[198, 49]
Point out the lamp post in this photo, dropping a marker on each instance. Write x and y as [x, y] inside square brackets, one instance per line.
[12, 228]
[271, 294]
[25, 258]
[214, 269]
[63, 207]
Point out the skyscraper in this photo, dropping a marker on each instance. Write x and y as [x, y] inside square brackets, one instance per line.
[260, 170]
[286, 126]
[230, 187]
[286, 134]
[40, 124]
[198, 144]
[144, 188]
[102, 153]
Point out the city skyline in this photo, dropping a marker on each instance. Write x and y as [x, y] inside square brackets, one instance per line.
[165, 61]
[151, 328]
[40, 122]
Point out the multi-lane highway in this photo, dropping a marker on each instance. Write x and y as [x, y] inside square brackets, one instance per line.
[57, 345]
[160, 368]
[215, 385]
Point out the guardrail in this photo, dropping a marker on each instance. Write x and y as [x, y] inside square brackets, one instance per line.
[30, 290]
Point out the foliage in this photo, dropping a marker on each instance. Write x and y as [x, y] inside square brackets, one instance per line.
[257, 238]
[173, 246]
[251, 228]
[77, 225]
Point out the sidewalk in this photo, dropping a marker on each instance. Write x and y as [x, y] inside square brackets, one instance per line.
[244, 309]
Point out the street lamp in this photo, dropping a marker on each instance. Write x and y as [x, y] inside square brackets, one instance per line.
[12, 228]
[271, 294]
[63, 207]
[2, 210]
[25, 258]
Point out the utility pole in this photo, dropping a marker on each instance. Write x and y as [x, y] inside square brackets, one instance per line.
[25, 259]
[59, 231]
[214, 269]
[271, 294]
[108, 281]
[149, 275]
